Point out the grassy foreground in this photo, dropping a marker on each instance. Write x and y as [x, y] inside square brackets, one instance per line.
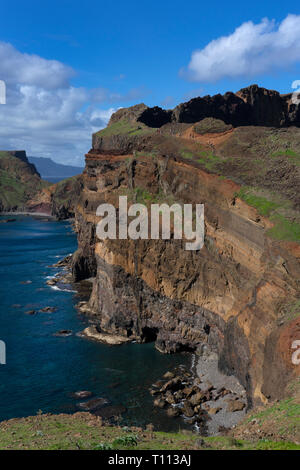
[274, 428]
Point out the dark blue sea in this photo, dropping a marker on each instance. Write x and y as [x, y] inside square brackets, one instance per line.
[43, 370]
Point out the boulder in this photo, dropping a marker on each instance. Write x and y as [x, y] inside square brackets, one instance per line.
[82, 394]
[213, 411]
[154, 392]
[173, 384]
[48, 309]
[159, 402]
[30, 312]
[93, 404]
[188, 409]
[235, 405]
[63, 333]
[173, 412]
[198, 398]
[169, 375]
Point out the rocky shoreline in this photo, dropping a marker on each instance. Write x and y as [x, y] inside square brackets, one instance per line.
[204, 397]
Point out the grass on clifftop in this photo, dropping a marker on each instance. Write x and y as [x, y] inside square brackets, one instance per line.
[83, 431]
[123, 127]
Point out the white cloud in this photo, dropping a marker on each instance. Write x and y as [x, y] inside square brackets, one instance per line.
[252, 49]
[44, 114]
[28, 69]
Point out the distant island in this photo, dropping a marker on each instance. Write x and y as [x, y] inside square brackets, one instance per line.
[52, 171]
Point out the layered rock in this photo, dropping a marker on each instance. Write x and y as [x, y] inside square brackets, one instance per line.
[234, 296]
[251, 106]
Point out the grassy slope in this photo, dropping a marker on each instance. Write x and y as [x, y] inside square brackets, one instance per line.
[276, 426]
[67, 190]
[18, 182]
[85, 431]
[123, 127]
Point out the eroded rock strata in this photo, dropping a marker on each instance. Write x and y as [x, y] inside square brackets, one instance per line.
[237, 295]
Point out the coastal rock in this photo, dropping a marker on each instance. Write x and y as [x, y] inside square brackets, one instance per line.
[235, 405]
[158, 384]
[169, 375]
[48, 309]
[213, 411]
[219, 297]
[82, 394]
[92, 333]
[160, 403]
[63, 262]
[6, 221]
[30, 312]
[173, 384]
[154, 392]
[173, 412]
[63, 333]
[188, 410]
[93, 404]
[189, 391]
[170, 398]
[198, 398]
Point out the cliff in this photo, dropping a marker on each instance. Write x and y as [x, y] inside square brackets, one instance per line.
[22, 189]
[58, 200]
[238, 154]
[19, 180]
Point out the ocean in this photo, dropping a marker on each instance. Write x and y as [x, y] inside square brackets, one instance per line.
[42, 370]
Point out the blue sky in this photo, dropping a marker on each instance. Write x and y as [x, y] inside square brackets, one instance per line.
[112, 54]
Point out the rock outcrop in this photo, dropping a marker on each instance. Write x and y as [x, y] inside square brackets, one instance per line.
[23, 190]
[58, 200]
[251, 106]
[19, 180]
[238, 295]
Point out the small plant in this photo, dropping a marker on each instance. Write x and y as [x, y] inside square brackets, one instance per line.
[103, 446]
[126, 441]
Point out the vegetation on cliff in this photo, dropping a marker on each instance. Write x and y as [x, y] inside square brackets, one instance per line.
[19, 181]
[22, 189]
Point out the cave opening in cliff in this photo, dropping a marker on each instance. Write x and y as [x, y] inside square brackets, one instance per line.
[185, 348]
[149, 334]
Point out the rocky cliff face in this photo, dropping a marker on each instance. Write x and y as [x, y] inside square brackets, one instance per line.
[22, 189]
[58, 200]
[239, 294]
[19, 180]
[251, 106]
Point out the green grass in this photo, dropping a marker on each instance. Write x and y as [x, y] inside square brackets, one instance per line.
[290, 154]
[263, 205]
[187, 154]
[209, 160]
[284, 417]
[284, 229]
[204, 157]
[123, 127]
[83, 431]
